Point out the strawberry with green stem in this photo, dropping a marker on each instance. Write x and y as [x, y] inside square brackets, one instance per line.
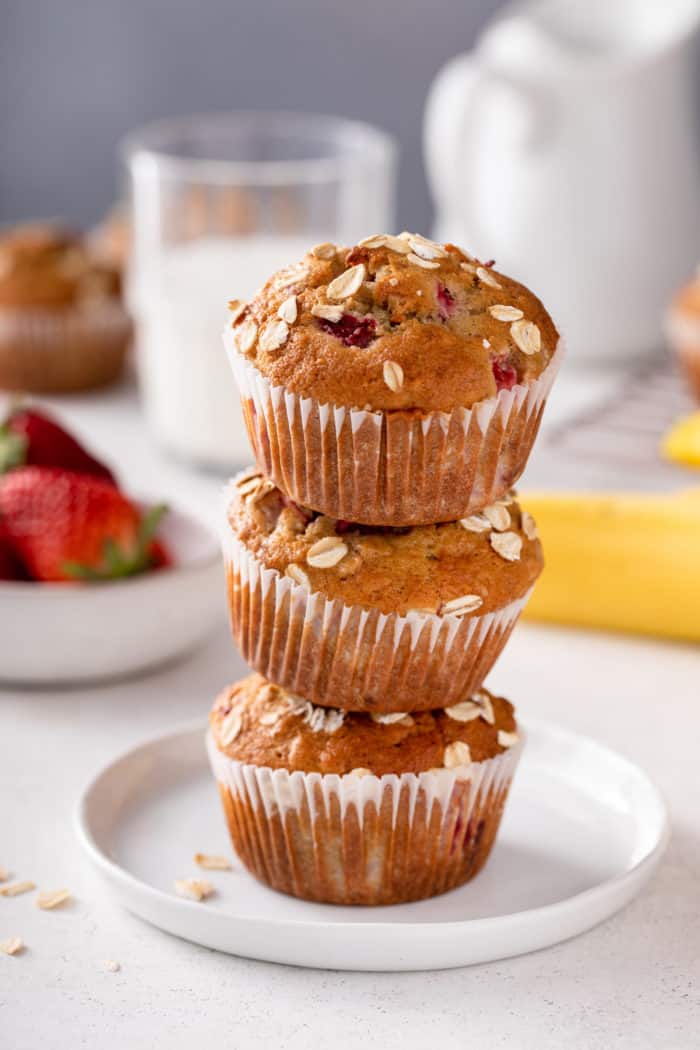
[30, 437]
[68, 526]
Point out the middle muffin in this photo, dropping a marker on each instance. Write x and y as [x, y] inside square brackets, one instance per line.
[376, 618]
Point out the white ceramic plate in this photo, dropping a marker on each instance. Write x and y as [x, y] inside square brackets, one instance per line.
[79, 632]
[583, 831]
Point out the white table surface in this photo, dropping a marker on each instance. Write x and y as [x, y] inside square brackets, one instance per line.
[630, 983]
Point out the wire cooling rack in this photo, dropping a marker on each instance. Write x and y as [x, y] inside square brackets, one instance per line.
[616, 441]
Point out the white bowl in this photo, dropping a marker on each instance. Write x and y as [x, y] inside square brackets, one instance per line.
[75, 632]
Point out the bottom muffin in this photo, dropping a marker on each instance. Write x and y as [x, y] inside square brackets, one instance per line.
[352, 808]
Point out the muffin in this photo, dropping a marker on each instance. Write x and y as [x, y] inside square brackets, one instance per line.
[398, 382]
[373, 617]
[110, 241]
[62, 325]
[683, 329]
[356, 808]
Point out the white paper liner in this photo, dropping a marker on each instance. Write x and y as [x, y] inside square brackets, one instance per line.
[75, 348]
[363, 838]
[390, 468]
[352, 657]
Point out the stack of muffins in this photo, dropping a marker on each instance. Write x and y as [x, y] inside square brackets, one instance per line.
[377, 561]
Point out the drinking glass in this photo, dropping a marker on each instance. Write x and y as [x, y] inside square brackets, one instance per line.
[218, 203]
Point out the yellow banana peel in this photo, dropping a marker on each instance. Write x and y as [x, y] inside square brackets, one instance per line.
[682, 443]
[619, 561]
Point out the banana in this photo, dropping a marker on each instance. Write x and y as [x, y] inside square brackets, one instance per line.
[682, 443]
[620, 561]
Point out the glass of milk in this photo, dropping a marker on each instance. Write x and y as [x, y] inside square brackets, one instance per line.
[218, 203]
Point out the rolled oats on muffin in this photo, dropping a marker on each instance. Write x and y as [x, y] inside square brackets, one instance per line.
[373, 617]
[63, 326]
[353, 808]
[397, 382]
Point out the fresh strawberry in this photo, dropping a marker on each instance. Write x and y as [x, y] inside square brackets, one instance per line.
[159, 556]
[10, 566]
[32, 438]
[67, 526]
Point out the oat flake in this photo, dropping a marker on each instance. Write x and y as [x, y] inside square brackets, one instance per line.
[288, 310]
[212, 862]
[506, 739]
[427, 264]
[326, 552]
[386, 240]
[468, 603]
[486, 277]
[507, 544]
[391, 717]
[49, 899]
[528, 525]
[526, 336]
[12, 946]
[13, 889]
[393, 375]
[498, 516]
[326, 250]
[347, 283]
[194, 889]
[245, 336]
[230, 728]
[297, 575]
[475, 523]
[273, 335]
[327, 312]
[505, 313]
[457, 754]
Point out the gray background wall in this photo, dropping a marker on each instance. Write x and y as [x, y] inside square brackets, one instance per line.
[75, 75]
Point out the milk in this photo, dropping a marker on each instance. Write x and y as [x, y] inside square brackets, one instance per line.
[190, 398]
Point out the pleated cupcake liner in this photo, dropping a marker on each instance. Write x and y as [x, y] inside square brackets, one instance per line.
[353, 657]
[360, 838]
[390, 468]
[59, 351]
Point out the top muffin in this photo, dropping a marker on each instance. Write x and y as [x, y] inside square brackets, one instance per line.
[45, 266]
[394, 323]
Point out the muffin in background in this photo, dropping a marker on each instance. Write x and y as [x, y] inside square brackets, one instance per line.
[397, 382]
[63, 327]
[352, 808]
[110, 239]
[371, 617]
[683, 331]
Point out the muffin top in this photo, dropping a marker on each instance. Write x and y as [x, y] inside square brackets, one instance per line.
[471, 566]
[45, 266]
[261, 724]
[394, 323]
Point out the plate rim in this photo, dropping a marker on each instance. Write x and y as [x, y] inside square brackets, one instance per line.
[115, 872]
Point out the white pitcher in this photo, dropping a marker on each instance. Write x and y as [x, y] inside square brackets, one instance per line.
[567, 147]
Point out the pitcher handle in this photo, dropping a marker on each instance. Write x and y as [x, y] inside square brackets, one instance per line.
[452, 102]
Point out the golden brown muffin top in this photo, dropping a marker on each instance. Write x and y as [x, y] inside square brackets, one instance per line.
[42, 265]
[260, 724]
[472, 566]
[394, 323]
